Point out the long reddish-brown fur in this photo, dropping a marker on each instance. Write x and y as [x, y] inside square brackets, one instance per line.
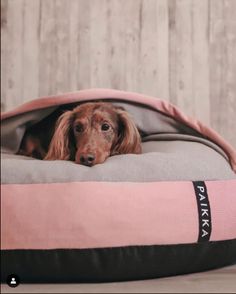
[87, 134]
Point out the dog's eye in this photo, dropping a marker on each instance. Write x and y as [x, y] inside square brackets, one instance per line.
[79, 128]
[105, 127]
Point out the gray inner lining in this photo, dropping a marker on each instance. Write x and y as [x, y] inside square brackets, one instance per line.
[160, 161]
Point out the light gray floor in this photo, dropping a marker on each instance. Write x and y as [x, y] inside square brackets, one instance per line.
[216, 281]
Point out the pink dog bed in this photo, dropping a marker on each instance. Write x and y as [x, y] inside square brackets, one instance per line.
[170, 210]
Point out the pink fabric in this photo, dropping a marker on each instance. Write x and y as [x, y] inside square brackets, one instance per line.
[222, 197]
[104, 214]
[160, 105]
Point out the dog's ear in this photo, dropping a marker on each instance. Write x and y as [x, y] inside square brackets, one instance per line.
[129, 140]
[59, 147]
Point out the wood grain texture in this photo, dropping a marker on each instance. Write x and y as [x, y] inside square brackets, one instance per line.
[179, 50]
[31, 49]
[12, 44]
[183, 85]
[154, 45]
[223, 68]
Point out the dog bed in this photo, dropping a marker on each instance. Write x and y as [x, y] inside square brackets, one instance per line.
[170, 210]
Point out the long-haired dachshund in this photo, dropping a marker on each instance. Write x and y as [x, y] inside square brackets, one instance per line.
[87, 134]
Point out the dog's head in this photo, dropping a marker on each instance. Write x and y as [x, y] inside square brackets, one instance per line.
[93, 131]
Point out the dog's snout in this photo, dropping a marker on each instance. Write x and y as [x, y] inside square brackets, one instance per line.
[87, 159]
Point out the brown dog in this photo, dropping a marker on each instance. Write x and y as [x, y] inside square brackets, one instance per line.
[87, 134]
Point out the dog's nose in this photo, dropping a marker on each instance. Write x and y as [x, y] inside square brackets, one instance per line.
[87, 159]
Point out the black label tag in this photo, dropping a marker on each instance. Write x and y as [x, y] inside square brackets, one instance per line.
[204, 211]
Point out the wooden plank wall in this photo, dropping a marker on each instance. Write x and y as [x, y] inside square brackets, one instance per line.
[183, 51]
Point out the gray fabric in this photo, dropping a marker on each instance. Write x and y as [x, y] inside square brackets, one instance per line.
[160, 161]
[150, 121]
[13, 128]
[183, 137]
[171, 151]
